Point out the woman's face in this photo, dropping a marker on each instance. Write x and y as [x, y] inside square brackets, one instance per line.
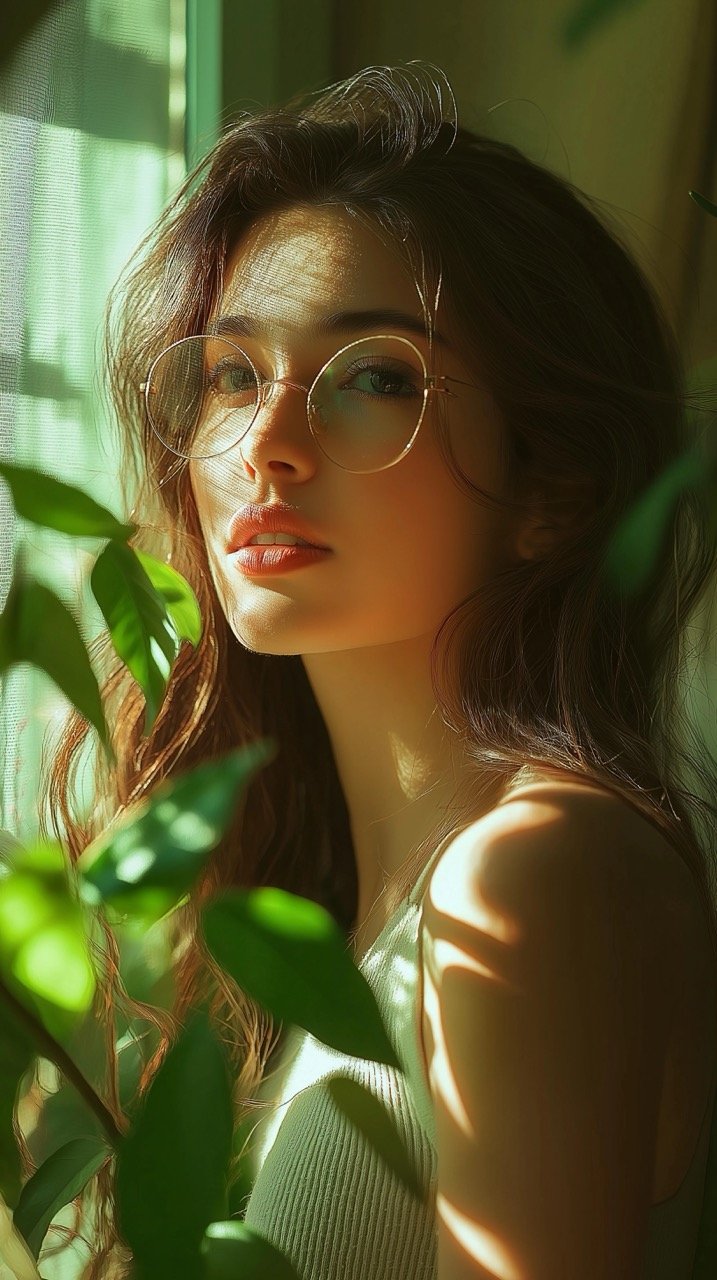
[407, 544]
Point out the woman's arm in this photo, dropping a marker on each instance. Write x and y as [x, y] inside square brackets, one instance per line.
[547, 1002]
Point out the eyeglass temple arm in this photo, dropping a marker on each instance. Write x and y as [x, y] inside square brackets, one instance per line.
[433, 383]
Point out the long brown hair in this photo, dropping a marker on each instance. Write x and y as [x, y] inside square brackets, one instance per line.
[540, 669]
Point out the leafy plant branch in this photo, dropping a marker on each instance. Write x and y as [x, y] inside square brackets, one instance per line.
[50, 1048]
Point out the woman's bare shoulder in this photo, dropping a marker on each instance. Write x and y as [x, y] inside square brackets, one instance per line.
[621, 821]
[578, 815]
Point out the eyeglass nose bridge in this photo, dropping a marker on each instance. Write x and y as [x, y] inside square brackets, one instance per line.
[284, 382]
[265, 389]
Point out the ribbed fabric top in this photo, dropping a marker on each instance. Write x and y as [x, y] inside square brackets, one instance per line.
[324, 1198]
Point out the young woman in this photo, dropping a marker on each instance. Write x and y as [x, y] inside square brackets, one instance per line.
[427, 357]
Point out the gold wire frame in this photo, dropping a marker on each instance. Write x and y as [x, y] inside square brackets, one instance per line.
[431, 382]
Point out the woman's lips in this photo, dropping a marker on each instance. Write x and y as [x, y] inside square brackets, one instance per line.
[278, 558]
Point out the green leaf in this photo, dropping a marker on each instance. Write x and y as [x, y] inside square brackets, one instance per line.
[704, 203]
[180, 601]
[173, 1164]
[56, 505]
[36, 627]
[43, 946]
[17, 1055]
[149, 862]
[587, 17]
[141, 630]
[232, 1249]
[705, 1262]
[289, 954]
[369, 1115]
[633, 550]
[243, 1169]
[55, 1184]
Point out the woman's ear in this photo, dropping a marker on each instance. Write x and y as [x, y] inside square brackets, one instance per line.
[553, 519]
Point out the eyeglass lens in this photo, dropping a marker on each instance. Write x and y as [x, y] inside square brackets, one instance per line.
[203, 396]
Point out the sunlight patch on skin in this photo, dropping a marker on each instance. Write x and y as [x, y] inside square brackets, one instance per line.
[462, 865]
[482, 921]
[481, 1245]
[439, 955]
[441, 1077]
[412, 769]
[412, 764]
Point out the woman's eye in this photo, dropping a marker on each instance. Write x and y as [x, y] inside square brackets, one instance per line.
[382, 381]
[228, 378]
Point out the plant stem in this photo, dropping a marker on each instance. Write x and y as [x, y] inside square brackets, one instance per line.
[52, 1049]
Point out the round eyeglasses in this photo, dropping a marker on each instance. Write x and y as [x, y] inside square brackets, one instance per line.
[364, 407]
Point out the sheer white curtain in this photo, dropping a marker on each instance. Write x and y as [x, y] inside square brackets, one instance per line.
[92, 109]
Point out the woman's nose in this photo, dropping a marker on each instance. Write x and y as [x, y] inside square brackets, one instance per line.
[271, 400]
[270, 427]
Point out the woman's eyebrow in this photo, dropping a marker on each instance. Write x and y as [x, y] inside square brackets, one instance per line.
[337, 322]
